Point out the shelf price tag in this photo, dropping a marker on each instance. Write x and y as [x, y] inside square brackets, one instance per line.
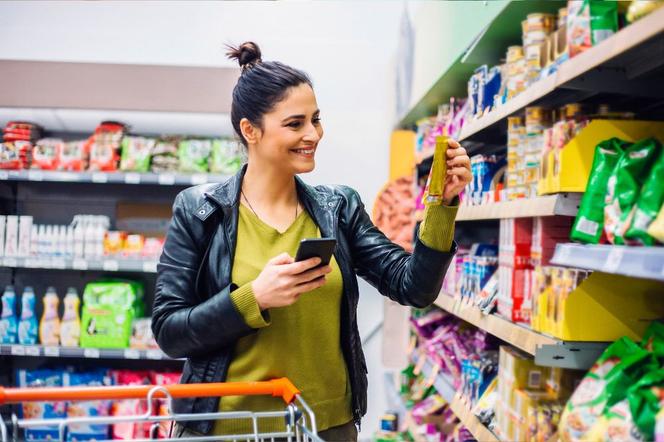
[92, 353]
[10, 262]
[166, 179]
[150, 267]
[199, 178]
[79, 264]
[31, 263]
[132, 178]
[613, 260]
[99, 177]
[58, 263]
[4, 175]
[53, 352]
[32, 350]
[18, 350]
[111, 265]
[131, 353]
[36, 175]
[154, 354]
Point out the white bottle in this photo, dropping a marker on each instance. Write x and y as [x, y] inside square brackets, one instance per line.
[34, 240]
[50, 240]
[62, 241]
[100, 233]
[69, 242]
[41, 240]
[79, 240]
[89, 240]
[3, 223]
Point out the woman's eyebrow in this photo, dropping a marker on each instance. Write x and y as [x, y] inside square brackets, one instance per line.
[299, 116]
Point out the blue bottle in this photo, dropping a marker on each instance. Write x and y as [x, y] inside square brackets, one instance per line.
[28, 326]
[9, 319]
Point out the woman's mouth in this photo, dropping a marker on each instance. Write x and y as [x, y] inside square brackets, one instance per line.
[306, 152]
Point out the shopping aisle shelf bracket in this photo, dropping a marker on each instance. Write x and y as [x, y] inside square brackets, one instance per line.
[574, 355]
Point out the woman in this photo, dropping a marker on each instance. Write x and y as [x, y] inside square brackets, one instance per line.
[230, 297]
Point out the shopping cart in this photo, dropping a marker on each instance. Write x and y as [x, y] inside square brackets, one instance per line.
[300, 422]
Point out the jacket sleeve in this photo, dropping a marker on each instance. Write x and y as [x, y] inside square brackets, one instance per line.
[186, 323]
[409, 279]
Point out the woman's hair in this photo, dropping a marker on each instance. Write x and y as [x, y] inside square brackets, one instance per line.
[261, 85]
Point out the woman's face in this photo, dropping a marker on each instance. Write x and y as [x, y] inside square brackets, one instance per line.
[291, 132]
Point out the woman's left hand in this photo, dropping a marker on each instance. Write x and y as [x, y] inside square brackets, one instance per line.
[458, 171]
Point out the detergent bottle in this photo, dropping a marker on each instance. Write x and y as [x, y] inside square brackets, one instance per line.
[27, 326]
[70, 331]
[49, 328]
[9, 319]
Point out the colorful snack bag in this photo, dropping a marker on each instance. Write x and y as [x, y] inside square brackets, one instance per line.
[15, 154]
[621, 365]
[130, 407]
[653, 339]
[41, 410]
[656, 229]
[659, 426]
[104, 146]
[645, 400]
[589, 22]
[165, 155]
[74, 156]
[162, 404]
[46, 154]
[616, 424]
[227, 156]
[645, 210]
[194, 155]
[87, 432]
[136, 153]
[625, 184]
[589, 223]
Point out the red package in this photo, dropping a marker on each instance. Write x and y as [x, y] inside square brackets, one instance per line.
[104, 146]
[15, 155]
[162, 404]
[73, 156]
[130, 407]
[46, 154]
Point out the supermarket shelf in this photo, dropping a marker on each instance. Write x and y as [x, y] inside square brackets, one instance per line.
[560, 204]
[161, 179]
[582, 73]
[105, 264]
[638, 262]
[84, 353]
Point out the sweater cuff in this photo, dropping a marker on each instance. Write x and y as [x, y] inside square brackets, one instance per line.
[437, 228]
[245, 302]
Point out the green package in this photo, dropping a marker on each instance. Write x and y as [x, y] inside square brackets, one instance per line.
[227, 156]
[194, 155]
[109, 307]
[653, 340]
[603, 19]
[644, 402]
[621, 365]
[625, 185]
[647, 206]
[136, 153]
[589, 223]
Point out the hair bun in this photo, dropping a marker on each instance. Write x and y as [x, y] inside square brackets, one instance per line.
[247, 54]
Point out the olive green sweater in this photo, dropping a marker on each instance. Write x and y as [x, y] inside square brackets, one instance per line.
[301, 341]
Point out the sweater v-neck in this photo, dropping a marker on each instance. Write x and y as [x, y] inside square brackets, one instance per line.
[267, 227]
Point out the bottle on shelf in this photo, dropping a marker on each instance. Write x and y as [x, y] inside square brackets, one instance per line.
[70, 329]
[27, 326]
[79, 238]
[69, 242]
[9, 319]
[34, 240]
[49, 327]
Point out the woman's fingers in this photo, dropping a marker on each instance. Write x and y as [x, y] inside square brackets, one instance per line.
[461, 160]
[311, 285]
[461, 172]
[453, 144]
[311, 274]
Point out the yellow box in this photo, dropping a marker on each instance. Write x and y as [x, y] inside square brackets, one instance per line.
[519, 368]
[568, 169]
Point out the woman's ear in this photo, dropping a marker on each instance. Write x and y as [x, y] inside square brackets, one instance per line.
[250, 132]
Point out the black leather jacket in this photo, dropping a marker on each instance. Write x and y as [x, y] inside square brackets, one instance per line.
[193, 316]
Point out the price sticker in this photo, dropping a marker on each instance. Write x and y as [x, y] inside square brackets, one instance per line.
[150, 267]
[199, 178]
[4, 175]
[10, 262]
[32, 350]
[99, 177]
[69, 177]
[420, 363]
[36, 175]
[133, 178]
[79, 264]
[131, 353]
[53, 352]
[111, 265]
[166, 179]
[154, 354]
[613, 260]
[18, 350]
[92, 353]
[58, 263]
[31, 263]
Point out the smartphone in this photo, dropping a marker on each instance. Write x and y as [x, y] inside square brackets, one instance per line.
[322, 248]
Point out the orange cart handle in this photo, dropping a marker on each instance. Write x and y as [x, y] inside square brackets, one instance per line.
[277, 387]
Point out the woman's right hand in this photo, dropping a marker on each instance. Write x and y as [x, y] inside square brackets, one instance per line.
[283, 280]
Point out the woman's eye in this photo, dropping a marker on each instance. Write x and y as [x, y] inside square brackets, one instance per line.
[317, 120]
[294, 124]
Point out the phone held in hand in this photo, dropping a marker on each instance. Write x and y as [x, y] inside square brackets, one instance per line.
[322, 248]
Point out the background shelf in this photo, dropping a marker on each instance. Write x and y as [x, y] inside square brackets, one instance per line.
[81, 353]
[560, 204]
[86, 264]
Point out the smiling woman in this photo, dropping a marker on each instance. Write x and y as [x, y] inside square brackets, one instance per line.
[232, 299]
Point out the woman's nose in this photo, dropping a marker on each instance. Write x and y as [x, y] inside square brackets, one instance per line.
[312, 133]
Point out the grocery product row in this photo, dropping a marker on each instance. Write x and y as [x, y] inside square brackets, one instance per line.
[99, 377]
[110, 316]
[112, 148]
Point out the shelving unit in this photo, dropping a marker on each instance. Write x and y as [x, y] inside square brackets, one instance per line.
[638, 262]
[560, 204]
[38, 351]
[104, 264]
[161, 179]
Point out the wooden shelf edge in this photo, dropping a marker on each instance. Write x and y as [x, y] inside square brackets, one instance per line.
[548, 205]
[470, 421]
[517, 335]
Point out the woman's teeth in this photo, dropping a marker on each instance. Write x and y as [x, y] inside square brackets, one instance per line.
[304, 151]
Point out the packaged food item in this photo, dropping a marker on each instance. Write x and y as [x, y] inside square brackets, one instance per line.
[622, 364]
[194, 155]
[104, 146]
[640, 8]
[41, 410]
[11, 235]
[87, 432]
[165, 378]
[589, 224]
[71, 321]
[165, 155]
[227, 156]
[651, 198]
[141, 334]
[590, 22]
[433, 193]
[152, 247]
[130, 407]
[625, 184]
[133, 245]
[15, 154]
[114, 242]
[46, 154]
[9, 318]
[656, 228]
[49, 327]
[74, 156]
[109, 308]
[659, 426]
[136, 153]
[645, 401]
[27, 326]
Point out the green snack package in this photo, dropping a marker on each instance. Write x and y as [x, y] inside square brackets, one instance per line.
[109, 307]
[194, 155]
[589, 22]
[644, 402]
[645, 210]
[616, 424]
[625, 185]
[603, 19]
[136, 154]
[607, 382]
[227, 156]
[653, 339]
[589, 223]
